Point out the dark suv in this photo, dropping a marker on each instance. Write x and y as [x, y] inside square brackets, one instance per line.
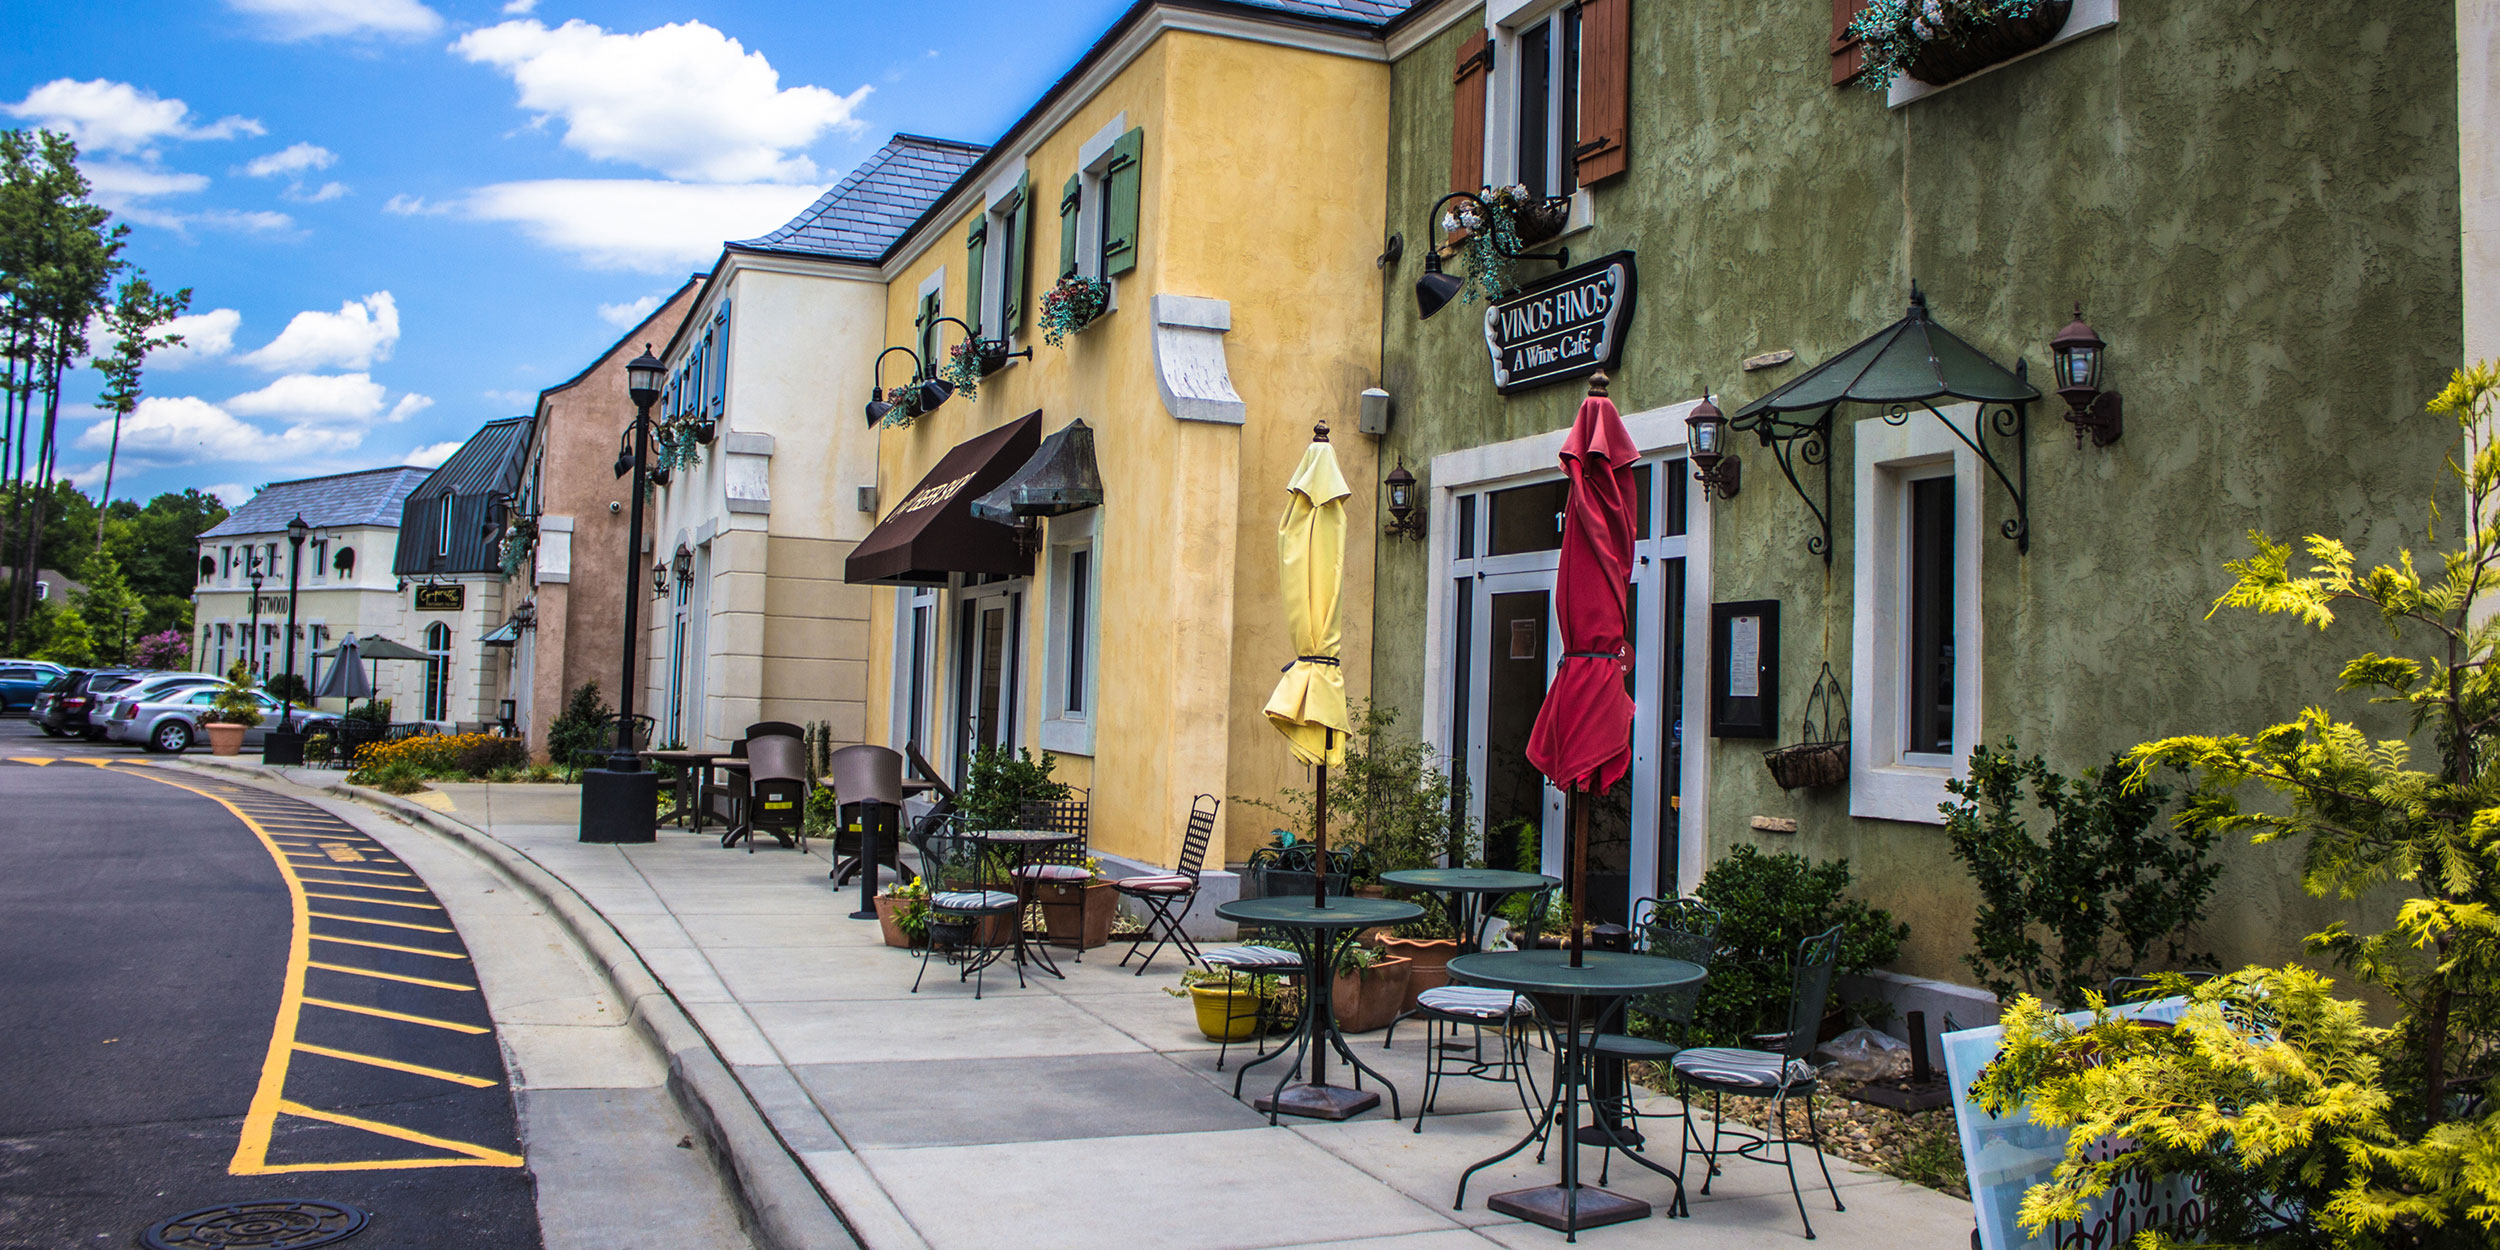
[68, 707]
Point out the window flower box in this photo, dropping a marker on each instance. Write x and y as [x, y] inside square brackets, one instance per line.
[1071, 306]
[1939, 41]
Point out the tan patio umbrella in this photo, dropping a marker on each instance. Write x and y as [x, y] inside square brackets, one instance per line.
[1309, 704]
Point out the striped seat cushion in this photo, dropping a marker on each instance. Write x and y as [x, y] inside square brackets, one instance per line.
[1053, 872]
[1735, 1069]
[1248, 958]
[1473, 1002]
[971, 900]
[1169, 883]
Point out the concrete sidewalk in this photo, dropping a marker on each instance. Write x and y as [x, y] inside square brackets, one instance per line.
[1084, 1113]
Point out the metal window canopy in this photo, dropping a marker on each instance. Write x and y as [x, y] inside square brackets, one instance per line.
[1060, 478]
[1904, 367]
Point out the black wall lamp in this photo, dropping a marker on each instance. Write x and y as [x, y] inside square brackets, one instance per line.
[1719, 473]
[922, 393]
[1405, 519]
[2077, 354]
[659, 580]
[992, 352]
[1436, 289]
[625, 452]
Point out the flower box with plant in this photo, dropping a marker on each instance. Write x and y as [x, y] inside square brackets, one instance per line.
[1938, 41]
[232, 711]
[903, 913]
[970, 361]
[1491, 231]
[1230, 1007]
[520, 538]
[1072, 305]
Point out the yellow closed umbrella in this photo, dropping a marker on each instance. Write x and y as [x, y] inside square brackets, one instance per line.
[1309, 704]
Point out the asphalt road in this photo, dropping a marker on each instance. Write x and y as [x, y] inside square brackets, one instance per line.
[186, 1022]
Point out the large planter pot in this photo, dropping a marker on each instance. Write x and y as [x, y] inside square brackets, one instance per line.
[1371, 998]
[889, 913]
[1226, 1013]
[1427, 963]
[1965, 48]
[224, 739]
[1077, 915]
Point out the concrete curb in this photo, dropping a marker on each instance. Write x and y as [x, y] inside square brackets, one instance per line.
[774, 1193]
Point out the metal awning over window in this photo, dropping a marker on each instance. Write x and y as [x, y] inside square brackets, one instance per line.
[932, 533]
[504, 635]
[1060, 478]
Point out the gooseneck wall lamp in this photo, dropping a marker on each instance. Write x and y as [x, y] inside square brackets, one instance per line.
[1405, 518]
[1435, 289]
[2077, 354]
[1719, 473]
[881, 403]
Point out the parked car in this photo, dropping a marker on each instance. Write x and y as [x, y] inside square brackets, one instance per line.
[66, 707]
[167, 717]
[22, 682]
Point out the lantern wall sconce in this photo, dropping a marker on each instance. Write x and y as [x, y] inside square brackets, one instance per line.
[1719, 473]
[659, 580]
[683, 566]
[2077, 354]
[1435, 289]
[1406, 516]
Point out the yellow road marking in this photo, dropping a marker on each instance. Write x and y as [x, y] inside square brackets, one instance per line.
[417, 1069]
[453, 1025]
[36, 760]
[364, 885]
[477, 1156]
[392, 976]
[370, 872]
[413, 950]
[378, 902]
[394, 924]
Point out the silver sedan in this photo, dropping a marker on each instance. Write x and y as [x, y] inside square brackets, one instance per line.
[169, 718]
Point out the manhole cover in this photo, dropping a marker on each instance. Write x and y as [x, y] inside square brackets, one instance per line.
[281, 1225]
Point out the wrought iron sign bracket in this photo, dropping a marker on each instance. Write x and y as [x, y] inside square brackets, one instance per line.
[1793, 442]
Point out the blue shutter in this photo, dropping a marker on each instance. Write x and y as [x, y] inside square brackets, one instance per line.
[720, 362]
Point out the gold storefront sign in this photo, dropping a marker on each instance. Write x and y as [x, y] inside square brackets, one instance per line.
[450, 598]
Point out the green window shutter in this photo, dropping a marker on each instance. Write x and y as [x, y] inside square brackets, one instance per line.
[927, 321]
[1067, 224]
[1121, 185]
[976, 247]
[1016, 252]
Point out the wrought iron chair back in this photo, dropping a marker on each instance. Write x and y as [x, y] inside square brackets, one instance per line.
[951, 858]
[1816, 957]
[1283, 871]
[1068, 815]
[1679, 928]
[1194, 840]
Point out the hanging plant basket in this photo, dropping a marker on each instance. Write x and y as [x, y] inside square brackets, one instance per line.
[1821, 756]
[1939, 41]
[1540, 220]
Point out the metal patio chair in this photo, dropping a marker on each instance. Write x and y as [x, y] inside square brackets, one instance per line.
[1058, 865]
[1678, 928]
[964, 900]
[1162, 893]
[1776, 1074]
[1510, 1016]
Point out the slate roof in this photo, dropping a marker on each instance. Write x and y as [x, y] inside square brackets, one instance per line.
[487, 465]
[1373, 12]
[870, 208]
[366, 497]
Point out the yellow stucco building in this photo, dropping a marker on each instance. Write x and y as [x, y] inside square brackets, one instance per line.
[1223, 175]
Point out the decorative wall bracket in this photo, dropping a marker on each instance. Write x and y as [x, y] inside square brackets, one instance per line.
[1794, 442]
[2008, 421]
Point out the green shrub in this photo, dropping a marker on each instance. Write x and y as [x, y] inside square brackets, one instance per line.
[233, 703]
[587, 727]
[371, 711]
[392, 778]
[1767, 903]
[290, 687]
[479, 756]
[1001, 782]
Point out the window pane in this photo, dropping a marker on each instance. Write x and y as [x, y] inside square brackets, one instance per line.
[1679, 476]
[1078, 569]
[1567, 108]
[1466, 527]
[1641, 478]
[1536, 81]
[1528, 518]
[1931, 616]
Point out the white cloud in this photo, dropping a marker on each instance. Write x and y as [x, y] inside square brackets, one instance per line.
[360, 333]
[232, 494]
[327, 192]
[107, 116]
[256, 221]
[432, 455]
[656, 227]
[627, 316]
[413, 206]
[408, 406]
[295, 159]
[205, 336]
[519, 8]
[311, 19]
[319, 397]
[683, 99]
[187, 429]
[114, 181]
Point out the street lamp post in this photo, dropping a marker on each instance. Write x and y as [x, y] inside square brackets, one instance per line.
[285, 745]
[251, 645]
[620, 803]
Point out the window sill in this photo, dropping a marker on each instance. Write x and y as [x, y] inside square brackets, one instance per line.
[1068, 737]
[1898, 791]
[2089, 17]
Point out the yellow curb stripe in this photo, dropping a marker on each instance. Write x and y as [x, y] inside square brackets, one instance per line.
[478, 1156]
[393, 976]
[388, 924]
[364, 885]
[370, 872]
[386, 946]
[377, 902]
[414, 1069]
[36, 760]
[453, 1025]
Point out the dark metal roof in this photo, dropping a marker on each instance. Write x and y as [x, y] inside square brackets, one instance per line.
[1376, 12]
[365, 497]
[1913, 360]
[870, 208]
[487, 465]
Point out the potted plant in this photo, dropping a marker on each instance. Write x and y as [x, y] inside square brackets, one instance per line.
[1071, 306]
[903, 913]
[1078, 913]
[233, 711]
[1938, 41]
[1427, 946]
[1492, 231]
[1370, 989]
[970, 361]
[1230, 1007]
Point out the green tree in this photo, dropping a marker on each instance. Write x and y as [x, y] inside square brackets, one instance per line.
[108, 607]
[159, 545]
[137, 312]
[67, 640]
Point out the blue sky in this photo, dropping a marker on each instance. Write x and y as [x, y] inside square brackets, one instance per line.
[401, 218]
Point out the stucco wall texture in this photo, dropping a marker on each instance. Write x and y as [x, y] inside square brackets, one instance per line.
[2256, 205]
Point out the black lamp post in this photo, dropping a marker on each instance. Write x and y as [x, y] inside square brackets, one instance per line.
[251, 645]
[284, 745]
[620, 803]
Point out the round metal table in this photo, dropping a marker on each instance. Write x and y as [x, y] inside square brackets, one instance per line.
[1025, 842]
[1469, 893]
[692, 767]
[1320, 934]
[1558, 989]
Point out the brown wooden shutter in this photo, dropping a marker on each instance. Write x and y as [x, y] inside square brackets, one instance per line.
[1847, 57]
[1475, 65]
[1605, 88]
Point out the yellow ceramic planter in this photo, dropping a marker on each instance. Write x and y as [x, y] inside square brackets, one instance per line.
[1226, 1013]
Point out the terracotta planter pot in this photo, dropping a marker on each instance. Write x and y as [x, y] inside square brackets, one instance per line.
[1226, 1013]
[1063, 921]
[224, 739]
[889, 921]
[1370, 999]
[1967, 49]
[1427, 963]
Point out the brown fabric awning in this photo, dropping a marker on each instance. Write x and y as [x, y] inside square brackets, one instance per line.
[933, 533]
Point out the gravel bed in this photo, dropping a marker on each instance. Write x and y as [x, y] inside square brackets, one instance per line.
[1921, 1148]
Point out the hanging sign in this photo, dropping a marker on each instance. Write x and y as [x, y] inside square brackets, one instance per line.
[1568, 326]
[446, 597]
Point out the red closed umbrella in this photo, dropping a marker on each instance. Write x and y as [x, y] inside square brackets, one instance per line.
[1583, 736]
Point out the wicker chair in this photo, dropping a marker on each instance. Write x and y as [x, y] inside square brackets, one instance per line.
[1776, 1074]
[963, 899]
[1161, 893]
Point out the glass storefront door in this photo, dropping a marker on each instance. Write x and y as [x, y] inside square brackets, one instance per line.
[989, 647]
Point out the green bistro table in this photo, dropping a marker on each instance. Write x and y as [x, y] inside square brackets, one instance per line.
[1558, 989]
[1320, 934]
[1469, 893]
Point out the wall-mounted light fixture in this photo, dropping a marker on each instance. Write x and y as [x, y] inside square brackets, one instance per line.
[683, 565]
[1435, 289]
[625, 452]
[1405, 519]
[993, 353]
[2077, 354]
[659, 579]
[1719, 473]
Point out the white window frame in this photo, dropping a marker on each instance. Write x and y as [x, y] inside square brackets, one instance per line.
[998, 205]
[933, 668]
[934, 284]
[442, 526]
[1505, 20]
[1886, 782]
[1064, 731]
[1093, 165]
